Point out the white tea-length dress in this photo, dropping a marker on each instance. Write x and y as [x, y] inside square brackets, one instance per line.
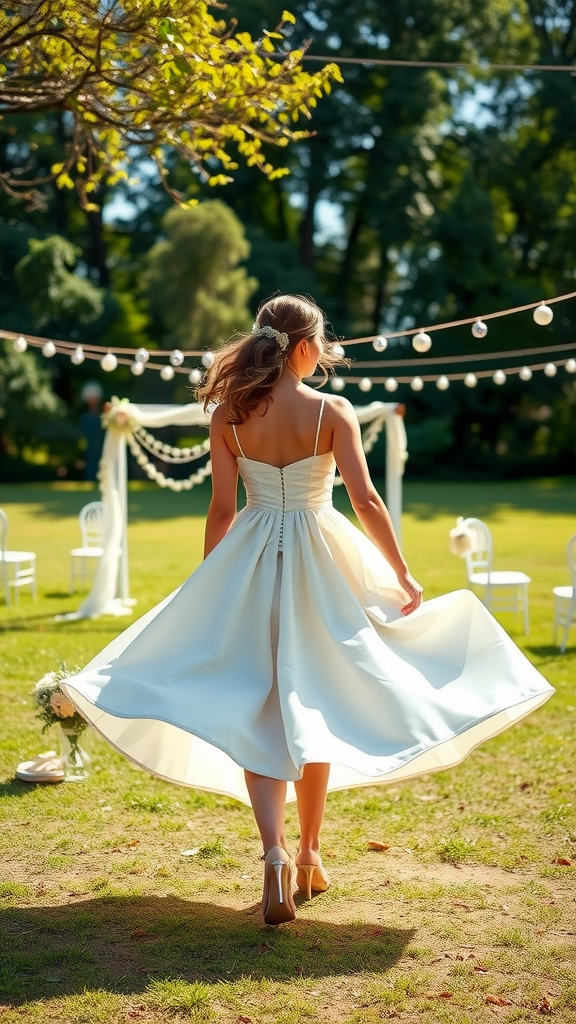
[287, 646]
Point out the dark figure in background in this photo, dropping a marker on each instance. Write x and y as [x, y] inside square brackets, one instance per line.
[92, 395]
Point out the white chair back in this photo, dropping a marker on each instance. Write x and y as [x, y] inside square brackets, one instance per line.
[479, 555]
[571, 552]
[3, 531]
[91, 524]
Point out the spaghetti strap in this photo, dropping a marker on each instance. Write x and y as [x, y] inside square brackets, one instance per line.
[319, 422]
[238, 442]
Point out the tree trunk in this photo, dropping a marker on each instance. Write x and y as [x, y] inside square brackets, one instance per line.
[348, 261]
[306, 229]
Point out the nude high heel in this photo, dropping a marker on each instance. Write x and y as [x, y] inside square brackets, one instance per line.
[277, 900]
[312, 878]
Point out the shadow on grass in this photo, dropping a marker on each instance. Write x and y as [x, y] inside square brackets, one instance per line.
[121, 943]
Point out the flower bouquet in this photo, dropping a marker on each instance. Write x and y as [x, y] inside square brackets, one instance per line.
[54, 708]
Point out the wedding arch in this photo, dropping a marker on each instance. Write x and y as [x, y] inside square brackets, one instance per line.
[128, 426]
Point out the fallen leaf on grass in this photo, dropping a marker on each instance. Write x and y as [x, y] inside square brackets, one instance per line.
[498, 1001]
[544, 1006]
[373, 844]
[137, 1012]
[563, 860]
[190, 853]
[244, 1020]
[133, 842]
[439, 995]
[139, 933]
[524, 785]
[480, 969]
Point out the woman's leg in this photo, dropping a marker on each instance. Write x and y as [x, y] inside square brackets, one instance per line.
[268, 799]
[311, 797]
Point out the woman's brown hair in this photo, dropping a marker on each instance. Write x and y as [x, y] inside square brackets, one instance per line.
[246, 369]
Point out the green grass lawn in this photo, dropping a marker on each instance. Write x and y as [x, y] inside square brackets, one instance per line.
[465, 917]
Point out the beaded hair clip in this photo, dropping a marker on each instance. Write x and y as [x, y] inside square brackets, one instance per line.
[270, 332]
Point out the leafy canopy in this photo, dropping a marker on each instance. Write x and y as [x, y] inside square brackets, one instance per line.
[149, 77]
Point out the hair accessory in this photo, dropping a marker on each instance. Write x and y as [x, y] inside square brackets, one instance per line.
[271, 332]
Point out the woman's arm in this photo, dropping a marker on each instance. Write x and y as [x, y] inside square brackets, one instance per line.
[222, 508]
[366, 502]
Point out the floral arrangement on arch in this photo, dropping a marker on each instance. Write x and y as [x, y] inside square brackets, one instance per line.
[54, 707]
[118, 412]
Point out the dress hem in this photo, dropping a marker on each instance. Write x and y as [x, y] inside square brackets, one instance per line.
[393, 774]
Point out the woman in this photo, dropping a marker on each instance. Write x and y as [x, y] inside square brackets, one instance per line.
[299, 651]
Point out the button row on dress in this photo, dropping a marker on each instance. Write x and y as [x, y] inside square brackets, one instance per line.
[281, 534]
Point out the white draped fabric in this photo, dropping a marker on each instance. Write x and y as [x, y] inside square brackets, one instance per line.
[110, 593]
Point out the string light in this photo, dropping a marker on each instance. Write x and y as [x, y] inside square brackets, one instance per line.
[550, 370]
[365, 384]
[109, 362]
[137, 368]
[417, 384]
[176, 357]
[442, 383]
[470, 380]
[167, 372]
[20, 344]
[499, 377]
[380, 343]
[77, 356]
[543, 315]
[391, 384]
[479, 329]
[49, 349]
[421, 342]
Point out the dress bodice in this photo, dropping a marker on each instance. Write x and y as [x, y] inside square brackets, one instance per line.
[306, 483]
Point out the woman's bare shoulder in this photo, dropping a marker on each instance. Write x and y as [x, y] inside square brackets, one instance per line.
[339, 408]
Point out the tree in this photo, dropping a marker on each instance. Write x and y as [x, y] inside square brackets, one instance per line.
[52, 291]
[143, 77]
[194, 283]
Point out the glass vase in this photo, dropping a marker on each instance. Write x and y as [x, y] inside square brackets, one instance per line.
[74, 757]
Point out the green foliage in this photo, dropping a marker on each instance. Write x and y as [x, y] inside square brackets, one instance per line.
[50, 289]
[141, 78]
[30, 412]
[194, 283]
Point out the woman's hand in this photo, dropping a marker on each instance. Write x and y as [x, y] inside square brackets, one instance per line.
[414, 591]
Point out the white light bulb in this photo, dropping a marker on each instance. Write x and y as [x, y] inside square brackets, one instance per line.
[543, 315]
[380, 344]
[391, 384]
[365, 384]
[499, 377]
[571, 366]
[525, 373]
[20, 344]
[417, 384]
[442, 383]
[109, 362]
[337, 350]
[137, 369]
[141, 355]
[421, 342]
[207, 359]
[337, 384]
[176, 357]
[167, 372]
[550, 370]
[49, 349]
[470, 380]
[479, 329]
[195, 376]
[77, 356]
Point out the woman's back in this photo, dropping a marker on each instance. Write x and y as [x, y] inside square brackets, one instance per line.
[292, 425]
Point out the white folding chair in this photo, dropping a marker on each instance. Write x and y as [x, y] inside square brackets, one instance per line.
[18, 567]
[565, 599]
[501, 591]
[91, 519]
